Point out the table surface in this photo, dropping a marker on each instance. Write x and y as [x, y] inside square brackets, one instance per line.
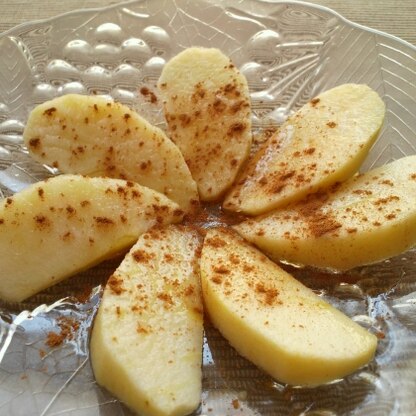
[397, 17]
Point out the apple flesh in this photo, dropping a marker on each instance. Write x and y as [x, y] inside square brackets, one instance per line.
[93, 136]
[324, 142]
[273, 320]
[207, 109]
[65, 224]
[364, 220]
[146, 343]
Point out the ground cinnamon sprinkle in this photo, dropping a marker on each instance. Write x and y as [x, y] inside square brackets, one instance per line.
[382, 201]
[42, 222]
[314, 101]
[215, 242]
[318, 222]
[221, 269]
[211, 212]
[166, 298]
[248, 268]
[270, 294]
[34, 142]
[68, 327]
[309, 151]
[103, 221]
[148, 94]
[217, 279]
[380, 335]
[362, 192]
[234, 258]
[142, 256]
[84, 293]
[168, 257]
[236, 128]
[49, 111]
[190, 290]
[54, 339]
[142, 329]
[115, 285]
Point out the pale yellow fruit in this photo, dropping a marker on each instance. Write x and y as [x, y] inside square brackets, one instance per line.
[63, 225]
[207, 108]
[146, 345]
[366, 219]
[273, 320]
[93, 136]
[324, 142]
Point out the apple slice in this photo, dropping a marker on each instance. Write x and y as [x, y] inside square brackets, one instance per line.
[207, 108]
[146, 344]
[273, 320]
[65, 224]
[366, 219]
[97, 137]
[323, 143]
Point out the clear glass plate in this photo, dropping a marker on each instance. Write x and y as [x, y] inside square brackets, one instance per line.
[289, 52]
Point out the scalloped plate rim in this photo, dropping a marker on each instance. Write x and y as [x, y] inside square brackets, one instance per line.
[18, 28]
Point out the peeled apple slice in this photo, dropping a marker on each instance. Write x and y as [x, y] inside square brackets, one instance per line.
[273, 320]
[207, 108]
[65, 224]
[366, 219]
[93, 136]
[146, 344]
[324, 142]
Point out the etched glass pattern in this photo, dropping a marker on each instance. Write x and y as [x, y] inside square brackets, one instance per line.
[289, 52]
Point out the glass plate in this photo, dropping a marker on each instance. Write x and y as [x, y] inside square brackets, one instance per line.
[289, 52]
